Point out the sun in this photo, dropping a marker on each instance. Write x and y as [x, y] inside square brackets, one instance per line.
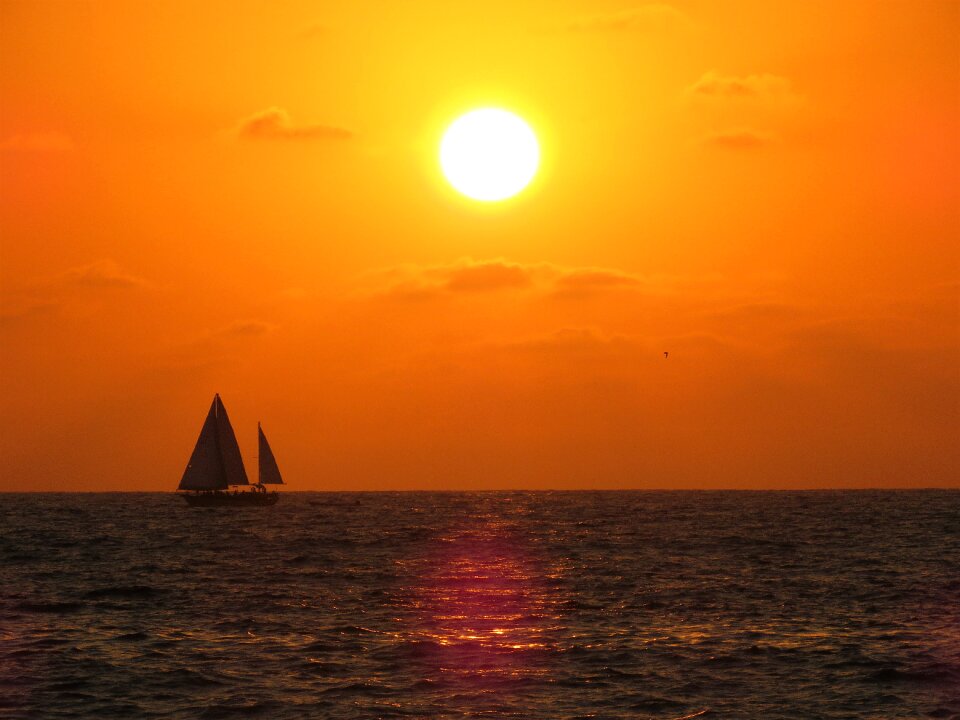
[489, 154]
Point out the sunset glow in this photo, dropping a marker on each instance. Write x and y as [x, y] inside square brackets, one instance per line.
[584, 359]
[309, 208]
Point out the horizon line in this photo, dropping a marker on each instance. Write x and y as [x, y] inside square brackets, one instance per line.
[516, 490]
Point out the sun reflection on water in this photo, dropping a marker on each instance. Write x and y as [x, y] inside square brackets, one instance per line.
[482, 606]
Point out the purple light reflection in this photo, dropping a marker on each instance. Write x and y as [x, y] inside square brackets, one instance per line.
[484, 612]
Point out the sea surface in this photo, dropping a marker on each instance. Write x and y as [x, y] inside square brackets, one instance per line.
[490, 605]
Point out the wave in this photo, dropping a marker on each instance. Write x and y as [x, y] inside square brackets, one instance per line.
[56, 608]
[216, 712]
[648, 606]
[935, 675]
[123, 592]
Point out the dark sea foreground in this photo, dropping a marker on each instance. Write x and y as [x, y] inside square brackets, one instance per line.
[496, 605]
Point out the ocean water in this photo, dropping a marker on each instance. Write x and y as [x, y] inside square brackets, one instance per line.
[492, 605]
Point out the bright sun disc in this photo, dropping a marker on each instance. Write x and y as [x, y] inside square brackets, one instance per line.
[489, 154]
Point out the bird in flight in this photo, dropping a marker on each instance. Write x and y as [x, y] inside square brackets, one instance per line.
[665, 355]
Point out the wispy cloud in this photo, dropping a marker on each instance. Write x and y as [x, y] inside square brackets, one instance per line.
[25, 313]
[275, 124]
[216, 347]
[469, 276]
[761, 87]
[487, 276]
[578, 282]
[652, 17]
[104, 273]
[93, 285]
[244, 328]
[584, 340]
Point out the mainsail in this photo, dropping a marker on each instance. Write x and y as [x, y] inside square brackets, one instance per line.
[216, 463]
[269, 472]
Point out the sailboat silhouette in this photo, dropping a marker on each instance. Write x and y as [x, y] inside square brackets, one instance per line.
[216, 465]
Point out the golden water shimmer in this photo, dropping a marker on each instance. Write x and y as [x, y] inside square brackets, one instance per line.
[549, 606]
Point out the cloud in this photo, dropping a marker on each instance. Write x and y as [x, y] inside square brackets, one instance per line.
[583, 281]
[579, 340]
[100, 274]
[26, 313]
[77, 291]
[464, 276]
[758, 311]
[739, 139]
[469, 276]
[274, 124]
[653, 17]
[244, 328]
[215, 348]
[40, 142]
[484, 277]
[762, 87]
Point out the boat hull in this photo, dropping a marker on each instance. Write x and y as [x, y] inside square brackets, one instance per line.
[222, 499]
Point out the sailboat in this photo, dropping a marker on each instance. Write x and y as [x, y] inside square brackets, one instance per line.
[216, 466]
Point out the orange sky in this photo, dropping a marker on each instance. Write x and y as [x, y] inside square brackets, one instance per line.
[245, 198]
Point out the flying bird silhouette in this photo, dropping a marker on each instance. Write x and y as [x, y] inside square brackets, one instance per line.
[665, 354]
